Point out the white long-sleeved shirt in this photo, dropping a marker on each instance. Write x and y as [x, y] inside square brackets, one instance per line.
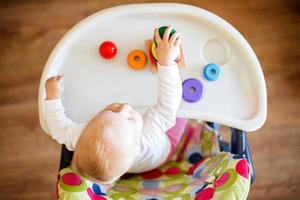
[155, 145]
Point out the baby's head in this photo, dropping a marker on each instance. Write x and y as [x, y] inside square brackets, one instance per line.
[109, 143]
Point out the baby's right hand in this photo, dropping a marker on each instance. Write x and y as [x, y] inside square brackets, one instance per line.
[54, 87]
[167, 50]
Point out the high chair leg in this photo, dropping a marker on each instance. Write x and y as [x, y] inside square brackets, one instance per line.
[240, 146]
[224, 146]
[65, 157]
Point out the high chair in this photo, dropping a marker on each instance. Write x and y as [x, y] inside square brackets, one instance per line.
[223, 85]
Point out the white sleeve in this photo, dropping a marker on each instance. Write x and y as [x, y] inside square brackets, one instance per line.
[155, 145]
[162, 116]
[61, 128]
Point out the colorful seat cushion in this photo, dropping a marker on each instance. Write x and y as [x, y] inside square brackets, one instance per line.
[223, 176]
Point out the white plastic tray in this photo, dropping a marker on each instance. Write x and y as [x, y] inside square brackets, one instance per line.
[236, 99]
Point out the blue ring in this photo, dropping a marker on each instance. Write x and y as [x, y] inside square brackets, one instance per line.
[212, 72]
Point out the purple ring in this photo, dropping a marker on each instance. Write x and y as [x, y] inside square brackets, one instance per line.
[192, 90]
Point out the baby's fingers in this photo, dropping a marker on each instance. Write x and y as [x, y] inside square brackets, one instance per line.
[156, 36]
[60, 79]
[177, 42]
[174, 37]
[51, 78]
[166, 34]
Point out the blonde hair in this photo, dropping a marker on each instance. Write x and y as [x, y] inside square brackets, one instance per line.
[100, 152]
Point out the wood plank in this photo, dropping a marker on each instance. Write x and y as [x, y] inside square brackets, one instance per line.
[30, 29]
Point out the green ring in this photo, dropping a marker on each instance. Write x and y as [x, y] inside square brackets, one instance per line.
[161, 32]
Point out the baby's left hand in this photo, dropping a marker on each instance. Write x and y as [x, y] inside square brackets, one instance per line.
[54, 87]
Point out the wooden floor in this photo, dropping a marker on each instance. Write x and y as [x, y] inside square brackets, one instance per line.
[30, 29]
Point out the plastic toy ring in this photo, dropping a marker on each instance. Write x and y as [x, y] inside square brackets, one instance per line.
[153, 51]
[211, 72]
[192, 90]
[161, 32]
[137, 59]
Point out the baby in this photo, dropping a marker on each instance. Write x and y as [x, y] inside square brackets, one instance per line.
[118, 139]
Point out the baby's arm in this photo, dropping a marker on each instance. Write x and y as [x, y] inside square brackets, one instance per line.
[162, 115]
[155, 145]
[61, 128]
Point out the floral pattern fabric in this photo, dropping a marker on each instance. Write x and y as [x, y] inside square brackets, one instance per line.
[187, 176]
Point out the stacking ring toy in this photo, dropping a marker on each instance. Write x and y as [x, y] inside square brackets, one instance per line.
[161, 32]
[211, 72]
[137, 59]
[153, 51]
[192, 90]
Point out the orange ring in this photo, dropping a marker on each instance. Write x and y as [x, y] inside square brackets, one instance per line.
[137, 59]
